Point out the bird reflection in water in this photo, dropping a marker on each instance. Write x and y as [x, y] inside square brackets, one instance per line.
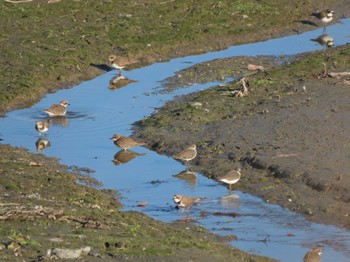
[124, 156]
[324, 40]
[41, 144]
[188, 176]
[119, 81]
[60, 121]
[230, 200]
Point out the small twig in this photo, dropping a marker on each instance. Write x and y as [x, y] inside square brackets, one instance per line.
[324, 74]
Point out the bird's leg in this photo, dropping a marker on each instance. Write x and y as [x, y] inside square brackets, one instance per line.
[324, 29]
[187, 164]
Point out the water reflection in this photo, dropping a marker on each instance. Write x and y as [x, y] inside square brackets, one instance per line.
[230, 200]
[119, 81]
[188, 176]
[124, 156]
[324, 40]
[88, 146]
[60, 121]
[41, 144]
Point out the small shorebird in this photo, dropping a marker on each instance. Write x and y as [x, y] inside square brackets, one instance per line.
[325, 40]
[187, 154]
[324, 16]
[42, 126]
[231, 177]
[185, 202]
[314, 255]
[119, 62]
[58, 109]
[125, 142]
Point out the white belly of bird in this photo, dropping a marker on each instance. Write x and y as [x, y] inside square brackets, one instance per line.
[326, 19]
[229, 181]
[45, 129]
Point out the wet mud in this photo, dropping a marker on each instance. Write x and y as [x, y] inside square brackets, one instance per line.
[42, 205]
[289, 134]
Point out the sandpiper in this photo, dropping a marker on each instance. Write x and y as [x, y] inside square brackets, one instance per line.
[231, 177]
[324, 16]
[183, 202]
[119, 62]
[125, 142]
[58, 109]
[187, 154]
[42, 126]
[313, 255]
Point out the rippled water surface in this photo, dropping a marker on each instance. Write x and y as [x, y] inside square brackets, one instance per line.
[96, 113]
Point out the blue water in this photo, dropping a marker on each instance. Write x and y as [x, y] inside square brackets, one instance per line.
[96, 113]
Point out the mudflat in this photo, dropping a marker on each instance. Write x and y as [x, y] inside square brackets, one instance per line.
[50, 46]
[289, 133]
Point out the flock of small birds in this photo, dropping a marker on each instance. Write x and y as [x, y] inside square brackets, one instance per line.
[189, 153]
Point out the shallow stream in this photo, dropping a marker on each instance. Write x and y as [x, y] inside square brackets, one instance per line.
[97, 112]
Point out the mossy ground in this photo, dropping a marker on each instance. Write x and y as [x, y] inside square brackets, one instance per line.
[45, 47]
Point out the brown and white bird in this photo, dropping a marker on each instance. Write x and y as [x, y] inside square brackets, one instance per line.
[324, 16]
[42, 126]
[125, 142]
[187, 154]
[231, 177]
[313, 255]
[119, 62]
[183, 202]
[57, 109]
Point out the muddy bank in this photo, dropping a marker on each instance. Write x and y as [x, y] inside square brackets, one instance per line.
[45, 47]
[290, 133]
[49, 47]
[42, 207]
